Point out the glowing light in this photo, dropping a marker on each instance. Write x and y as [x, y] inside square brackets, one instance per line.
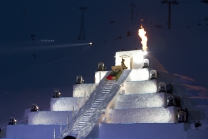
[144, 52]
[91, 43]
[142, 35]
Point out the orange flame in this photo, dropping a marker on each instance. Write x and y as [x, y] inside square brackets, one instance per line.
[142, 35]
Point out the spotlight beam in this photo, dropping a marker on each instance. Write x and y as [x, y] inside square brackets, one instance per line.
[43, 47]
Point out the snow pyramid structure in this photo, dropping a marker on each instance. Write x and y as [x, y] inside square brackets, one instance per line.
[142, 100]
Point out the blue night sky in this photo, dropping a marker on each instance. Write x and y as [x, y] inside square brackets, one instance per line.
[26, 80]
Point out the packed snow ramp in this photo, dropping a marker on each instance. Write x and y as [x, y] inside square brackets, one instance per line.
[88, 115]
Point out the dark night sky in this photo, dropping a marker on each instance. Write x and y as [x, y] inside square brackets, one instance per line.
[24, 79]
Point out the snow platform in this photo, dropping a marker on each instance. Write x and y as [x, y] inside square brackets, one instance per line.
[140, 87]
[83, 90]
[33, 131]
[143, 115]
[49, 117]
[66, 103]
[141, 100]
[142, 131]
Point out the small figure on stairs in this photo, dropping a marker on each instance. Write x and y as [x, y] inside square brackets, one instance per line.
[123, 65]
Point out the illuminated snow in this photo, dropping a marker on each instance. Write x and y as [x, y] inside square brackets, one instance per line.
[134, 59]
[140, 87]
[140, 101]
[83, 90]
[137, 101]
[99, 75]
[144, 115]
[138, 75]
[66, 103]
[49, 117]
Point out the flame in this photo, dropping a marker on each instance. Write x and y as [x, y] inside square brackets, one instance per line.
[142, 35]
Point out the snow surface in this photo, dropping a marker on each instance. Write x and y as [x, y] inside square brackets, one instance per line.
[33, 131]
[138, 75]
[143, 131]
[66, 103]
[140, 87]
[99, 75]
[140, 101]
[83, 90]
[144, 115]
[50, 117]
[197, 134]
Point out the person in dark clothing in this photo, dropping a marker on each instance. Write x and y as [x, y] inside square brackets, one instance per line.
[169, 88]
[170, 100]
[198, 124]
[181, 116]
[177, 101]
[187, 114]
[123, 65]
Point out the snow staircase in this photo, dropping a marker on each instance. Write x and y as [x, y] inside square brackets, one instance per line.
[90, 112]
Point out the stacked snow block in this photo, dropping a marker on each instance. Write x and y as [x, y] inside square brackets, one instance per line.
[83, 90]
[50, 117]
[66, 103]
[151, 100]
[141, 102]
[61, 111]
[143, 115]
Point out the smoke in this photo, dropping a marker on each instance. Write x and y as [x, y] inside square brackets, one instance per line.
[142, 35]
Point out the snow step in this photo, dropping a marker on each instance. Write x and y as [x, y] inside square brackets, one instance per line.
[82, 122]
[105, 92]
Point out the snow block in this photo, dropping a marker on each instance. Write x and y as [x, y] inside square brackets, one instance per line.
[66, 103]
[141, 100]
[99, 75]
[139, 75]
[143, 115]
[49, 117]
[33, 131]
[83, 90]
[133, 59]
[142, 131]
[140, 87]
